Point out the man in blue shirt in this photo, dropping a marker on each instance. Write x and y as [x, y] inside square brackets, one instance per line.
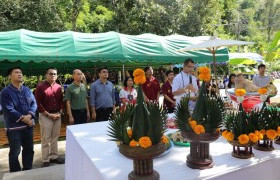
[102, 97]
[19, 109]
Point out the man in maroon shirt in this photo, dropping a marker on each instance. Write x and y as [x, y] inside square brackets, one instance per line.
[49, 98]
[151, 87]
[168, 102]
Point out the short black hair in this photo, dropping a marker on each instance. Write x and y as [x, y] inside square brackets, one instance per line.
[168, 72]
[10, 70]
[261, 65]
[50, 68]
[147, 68]
[126, 79]
[187, 61]
[100, 69]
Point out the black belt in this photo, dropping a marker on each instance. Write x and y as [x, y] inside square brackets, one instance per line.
[107, 108]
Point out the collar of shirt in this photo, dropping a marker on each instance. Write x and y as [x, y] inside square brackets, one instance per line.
[102, 82]
[16, 89]
[126, 89]
[47, 83]
[76, 85]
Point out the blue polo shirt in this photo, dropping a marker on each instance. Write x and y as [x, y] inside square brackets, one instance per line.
[102, 95]
[16, 103]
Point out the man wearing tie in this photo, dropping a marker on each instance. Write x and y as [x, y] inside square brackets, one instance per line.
[185, 84]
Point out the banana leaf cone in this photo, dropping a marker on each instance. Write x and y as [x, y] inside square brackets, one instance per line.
[200, 111]
[141, 124]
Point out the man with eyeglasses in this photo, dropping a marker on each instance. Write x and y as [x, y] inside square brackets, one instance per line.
[50, 103]
[102, 97]
[19, 107]
[76, 99]
[185, 84]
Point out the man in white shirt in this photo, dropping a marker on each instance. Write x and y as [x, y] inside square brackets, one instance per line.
[260, 79]
[185, 83]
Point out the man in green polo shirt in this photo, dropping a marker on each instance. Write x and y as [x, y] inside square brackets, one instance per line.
[76, 99]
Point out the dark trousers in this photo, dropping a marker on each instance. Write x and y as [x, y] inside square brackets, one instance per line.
[79, 115]
[170, 110]
[17, 139]
[103, 114]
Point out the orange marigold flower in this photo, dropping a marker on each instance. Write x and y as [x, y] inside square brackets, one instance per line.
[133, 143]
[145, 142]
[262, 91]
[278, 131]
[218, 129]
[198, 129]
[129, 131]
[260, 136]
[204, 77]
[164, 139]
[262, 132]
[192, 123]
[204, 74]
[243, 139]
[224, 133]
[229, 136]
[204, 70]
[253, 137]
[271, 134]
[139, 76]
[240, 92]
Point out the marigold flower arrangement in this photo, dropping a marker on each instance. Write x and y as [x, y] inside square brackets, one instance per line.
[141, 125]
[208, 112]
[242, 127]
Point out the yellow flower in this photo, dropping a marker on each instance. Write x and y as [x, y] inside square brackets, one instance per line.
[240, 92]
[192, 123]
[218, 129]
[262, 91]
[164, 139]
[139, 76]
[204, 74]
[243, 139]
[262, 132]
[260, 136]
[129, 131]
[224, 134]
[253, 137]
[199, 129]
[133, 143]
[145, 142]
[229, 136]
[271, 134]
[278, 131]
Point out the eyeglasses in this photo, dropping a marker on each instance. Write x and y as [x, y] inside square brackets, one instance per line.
[52, 74]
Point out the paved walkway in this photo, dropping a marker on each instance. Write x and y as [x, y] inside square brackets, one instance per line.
[54, 172]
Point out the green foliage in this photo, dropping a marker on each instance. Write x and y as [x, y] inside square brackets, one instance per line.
[208, 111]
[273, 50]
[270, 118]
[182, 115]
[118, 125]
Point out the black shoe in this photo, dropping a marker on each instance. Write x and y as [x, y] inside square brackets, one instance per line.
[45, 164]
[57, 161]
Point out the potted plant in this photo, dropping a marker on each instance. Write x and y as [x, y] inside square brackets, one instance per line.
[139, 132]
[202, 127]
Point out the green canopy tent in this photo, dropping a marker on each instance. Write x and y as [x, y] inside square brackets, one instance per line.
[35, 51]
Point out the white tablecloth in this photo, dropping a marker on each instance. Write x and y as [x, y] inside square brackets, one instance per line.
[91, 156]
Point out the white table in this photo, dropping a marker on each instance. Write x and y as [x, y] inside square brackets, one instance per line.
[91, 156]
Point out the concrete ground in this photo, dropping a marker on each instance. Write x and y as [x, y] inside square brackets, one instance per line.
[54, 172]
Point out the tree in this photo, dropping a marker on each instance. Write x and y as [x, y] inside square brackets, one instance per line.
[37, 15]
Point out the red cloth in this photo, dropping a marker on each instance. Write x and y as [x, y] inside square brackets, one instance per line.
[151, 88]
[166, 89]
[49, 97]
[249, 102]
